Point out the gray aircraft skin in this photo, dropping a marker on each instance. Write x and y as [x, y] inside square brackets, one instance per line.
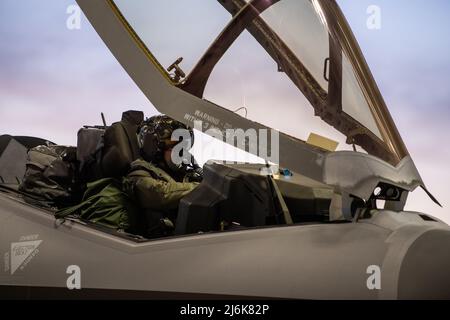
[361, 252]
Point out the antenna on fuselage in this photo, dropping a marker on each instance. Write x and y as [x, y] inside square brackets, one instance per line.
[103, 119]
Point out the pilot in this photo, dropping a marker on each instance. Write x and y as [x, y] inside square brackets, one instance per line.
[158, 181]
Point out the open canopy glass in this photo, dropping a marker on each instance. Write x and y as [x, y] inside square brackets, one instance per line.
[291, 65]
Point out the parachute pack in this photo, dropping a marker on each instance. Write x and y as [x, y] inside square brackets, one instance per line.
[51, 176]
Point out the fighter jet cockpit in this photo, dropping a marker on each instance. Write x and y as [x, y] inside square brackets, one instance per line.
[290, 76]
[282, 81]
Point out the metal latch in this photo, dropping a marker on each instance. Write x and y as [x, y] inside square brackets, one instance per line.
[178, 73]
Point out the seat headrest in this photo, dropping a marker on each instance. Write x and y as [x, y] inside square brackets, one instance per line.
[133, 117]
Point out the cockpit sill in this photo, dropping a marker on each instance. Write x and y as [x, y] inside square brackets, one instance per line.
[128, 240]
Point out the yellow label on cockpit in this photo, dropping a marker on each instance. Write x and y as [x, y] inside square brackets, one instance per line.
[322, 142]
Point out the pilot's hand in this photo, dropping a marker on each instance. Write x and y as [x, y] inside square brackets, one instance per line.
[194, 175]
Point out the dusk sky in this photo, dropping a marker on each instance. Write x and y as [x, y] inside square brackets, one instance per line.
[54, 80]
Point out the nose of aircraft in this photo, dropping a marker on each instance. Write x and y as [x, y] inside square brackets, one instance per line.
[425, 269]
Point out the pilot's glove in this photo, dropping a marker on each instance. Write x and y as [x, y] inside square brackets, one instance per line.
[194, 175]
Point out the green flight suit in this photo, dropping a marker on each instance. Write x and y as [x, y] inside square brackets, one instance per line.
[155, 189]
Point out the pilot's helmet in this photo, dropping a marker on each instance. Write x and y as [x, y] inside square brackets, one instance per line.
[155, 136]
